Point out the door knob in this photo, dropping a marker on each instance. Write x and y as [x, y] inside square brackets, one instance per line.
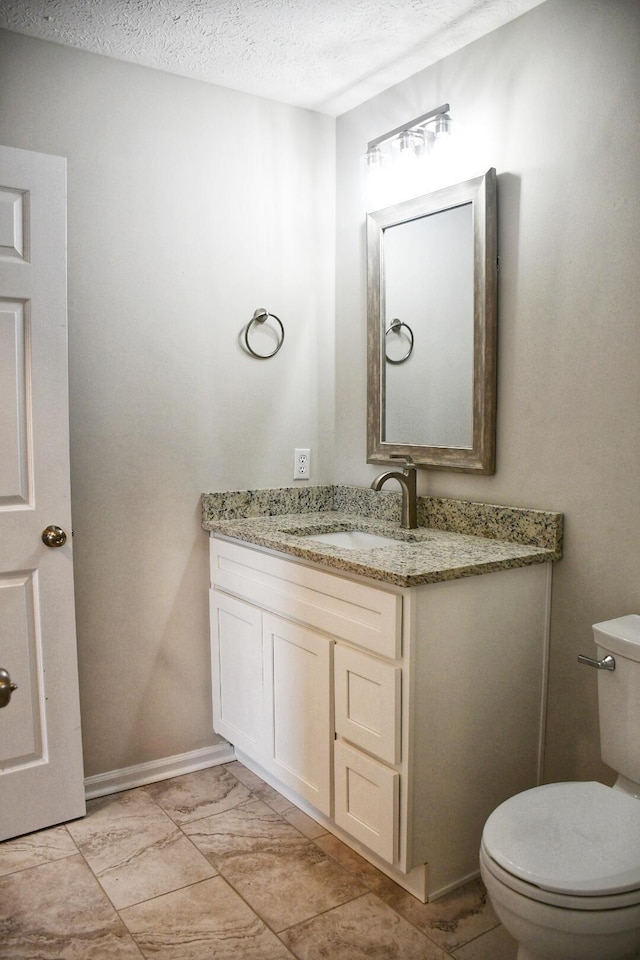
[6, 687]
[53, 536]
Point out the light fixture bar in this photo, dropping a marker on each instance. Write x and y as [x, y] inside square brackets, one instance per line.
[408, 126]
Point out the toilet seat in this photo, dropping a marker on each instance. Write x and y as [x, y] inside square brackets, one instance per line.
[565, 901]
[570, 844]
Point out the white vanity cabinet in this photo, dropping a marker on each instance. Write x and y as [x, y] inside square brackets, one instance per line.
[397, 717]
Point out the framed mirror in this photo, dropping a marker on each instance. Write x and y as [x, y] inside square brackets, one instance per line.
[431, 328]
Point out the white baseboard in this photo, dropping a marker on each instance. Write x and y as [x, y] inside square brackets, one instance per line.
[137, 776]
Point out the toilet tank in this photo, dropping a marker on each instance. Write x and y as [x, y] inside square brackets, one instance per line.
[619, 694]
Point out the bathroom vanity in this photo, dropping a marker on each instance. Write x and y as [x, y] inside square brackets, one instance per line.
[387, 690]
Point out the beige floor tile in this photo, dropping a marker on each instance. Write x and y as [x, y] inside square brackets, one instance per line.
[199, 794]
[288, 887]
[364, 929]
[249, 828]
[495, 945]
[355, 864]
[206, 921]
[305, 824]
[265, 792]
[282, 875]
[213, 865]
[135, 850]
[274, 799]
[271, 797]
[260, 789]
[33, 849]
[58, 911]
[279, 803]
[452, 921]
[244, 775]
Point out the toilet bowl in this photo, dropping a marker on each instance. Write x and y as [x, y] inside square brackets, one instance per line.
[561, 862]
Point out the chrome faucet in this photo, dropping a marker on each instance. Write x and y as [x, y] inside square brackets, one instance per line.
[407, 480]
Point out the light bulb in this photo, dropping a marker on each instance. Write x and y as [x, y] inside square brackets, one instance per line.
[373, 157]
[442, 126]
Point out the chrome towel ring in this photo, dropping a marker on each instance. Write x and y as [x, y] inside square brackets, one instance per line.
[259, 316]
[396, 326]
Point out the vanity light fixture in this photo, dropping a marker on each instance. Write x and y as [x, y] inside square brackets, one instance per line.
[412, 138]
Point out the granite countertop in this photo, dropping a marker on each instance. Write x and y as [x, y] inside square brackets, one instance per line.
[454, 538]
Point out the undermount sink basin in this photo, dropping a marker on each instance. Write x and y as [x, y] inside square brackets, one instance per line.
[351, 539]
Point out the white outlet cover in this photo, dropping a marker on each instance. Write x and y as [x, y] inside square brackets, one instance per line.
[301, 463]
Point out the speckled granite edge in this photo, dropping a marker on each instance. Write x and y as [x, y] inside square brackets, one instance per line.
[537, 528]
[242, 504]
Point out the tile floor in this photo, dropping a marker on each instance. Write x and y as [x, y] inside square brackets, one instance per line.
[218, 865]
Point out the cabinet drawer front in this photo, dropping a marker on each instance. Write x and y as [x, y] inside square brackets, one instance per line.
[366, 616]
[367, 703]
[366, 800]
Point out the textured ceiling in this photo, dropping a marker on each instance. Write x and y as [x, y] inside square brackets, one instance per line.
[327, 55]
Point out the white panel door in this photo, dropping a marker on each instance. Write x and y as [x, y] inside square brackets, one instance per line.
[236, 666]
[41, 771]
[297, 684]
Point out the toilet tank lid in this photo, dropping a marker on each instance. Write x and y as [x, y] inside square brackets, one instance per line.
[621, 636]
[581, 839]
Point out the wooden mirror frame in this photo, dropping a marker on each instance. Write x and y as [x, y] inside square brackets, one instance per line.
[480, 457]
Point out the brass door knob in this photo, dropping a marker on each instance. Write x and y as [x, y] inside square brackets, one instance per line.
[53, 536]
[6, 687]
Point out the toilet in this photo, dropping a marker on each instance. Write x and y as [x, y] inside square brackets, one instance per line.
[561, 862]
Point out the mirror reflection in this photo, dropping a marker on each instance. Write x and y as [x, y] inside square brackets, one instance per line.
[432, 306]
[428, 265]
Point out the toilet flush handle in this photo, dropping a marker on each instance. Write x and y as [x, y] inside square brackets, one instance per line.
[607, 663]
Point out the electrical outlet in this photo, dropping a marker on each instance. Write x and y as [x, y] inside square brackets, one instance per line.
[301, 464]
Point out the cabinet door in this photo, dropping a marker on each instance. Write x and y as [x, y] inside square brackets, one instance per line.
[236, 659]
[297, 677]
[367, 695]
[367, 800]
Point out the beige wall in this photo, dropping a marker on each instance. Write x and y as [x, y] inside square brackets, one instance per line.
[189, 206]
[552, 101]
